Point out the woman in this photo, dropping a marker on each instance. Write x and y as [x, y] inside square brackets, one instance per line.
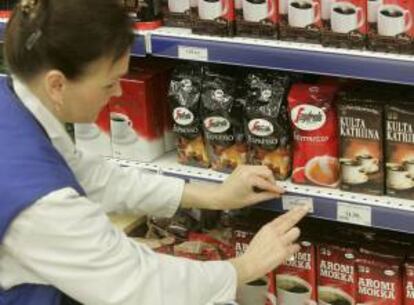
[66, 59]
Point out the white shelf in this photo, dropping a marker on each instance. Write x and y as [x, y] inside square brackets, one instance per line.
[387, 212]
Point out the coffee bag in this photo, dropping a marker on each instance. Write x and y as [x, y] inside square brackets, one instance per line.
[222, 119]
[362, 155]
[314, 121]
[409, 282]
[344, 23]
[300, 20]
[296, 278]
[379, 279]
[267, 124]
[400, 150]
[258, 18]
[214, 17]
[391, 25]
[337, 277]
[177, 13]
[184, 96]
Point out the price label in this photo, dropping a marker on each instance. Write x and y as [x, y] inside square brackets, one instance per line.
[354, 213]
[193, 53]
[289, 202]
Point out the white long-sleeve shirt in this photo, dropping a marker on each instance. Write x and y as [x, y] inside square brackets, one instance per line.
[67, 241]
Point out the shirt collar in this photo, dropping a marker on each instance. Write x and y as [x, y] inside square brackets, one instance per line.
[53, 127]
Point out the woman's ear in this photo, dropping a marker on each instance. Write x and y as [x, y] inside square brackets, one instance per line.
[55, 85]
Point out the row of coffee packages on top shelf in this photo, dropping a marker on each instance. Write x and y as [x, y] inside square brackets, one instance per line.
[354, 135]
[383, 25]
[356, 265]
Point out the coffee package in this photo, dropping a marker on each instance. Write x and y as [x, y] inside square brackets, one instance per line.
[400, 150]
[258, 18]
[296, 278]
[391, 27]
[379, 278]
[214, 17]
[95, 137]
[222, 117]
[362, 154]
[314, 121]
[409, 282]
[162, 70]
[344, 23]
[261, 291]
[136, 129]
[300, 20]
[238, 8]
[177, 13]
[144, 12]
[267, 123]
[337, 276]
[184, 95]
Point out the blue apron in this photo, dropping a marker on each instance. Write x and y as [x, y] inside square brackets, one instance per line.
[30, 168]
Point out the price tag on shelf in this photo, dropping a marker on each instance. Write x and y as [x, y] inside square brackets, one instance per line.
[192, 53]
[354, 213]
[289, 202]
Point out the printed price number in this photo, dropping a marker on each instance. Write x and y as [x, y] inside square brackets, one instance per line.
[354, 213]
[289, 202]
[192, 53]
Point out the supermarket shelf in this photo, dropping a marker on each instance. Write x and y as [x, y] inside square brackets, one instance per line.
[289, 56]
[331, 204]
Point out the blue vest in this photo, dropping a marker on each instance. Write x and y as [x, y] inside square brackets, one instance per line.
[30, 168]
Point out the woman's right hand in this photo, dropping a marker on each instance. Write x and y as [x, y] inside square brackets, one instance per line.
[270, 247]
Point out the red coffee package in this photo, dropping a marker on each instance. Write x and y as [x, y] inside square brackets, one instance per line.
[177, 13]
[391, 25]
[337, 277]
[261, 291]
[296, 278]
[409, 282]
[345, 23]
[379, 279]
[257, 19]
[300, 20]
[136, 129]
[215, 17]
[314, 122]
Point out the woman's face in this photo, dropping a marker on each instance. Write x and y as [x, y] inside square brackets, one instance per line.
[84, 98]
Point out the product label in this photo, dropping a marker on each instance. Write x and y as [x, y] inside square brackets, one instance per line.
[379, 280]
[260, 127]
[337, 278]
[308, 117]
[183, 116]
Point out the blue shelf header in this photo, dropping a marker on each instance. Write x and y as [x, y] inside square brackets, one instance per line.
[292, 59]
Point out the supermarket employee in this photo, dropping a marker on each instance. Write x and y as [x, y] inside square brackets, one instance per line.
[66, 59]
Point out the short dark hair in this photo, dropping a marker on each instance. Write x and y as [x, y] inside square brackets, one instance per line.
[66, 35]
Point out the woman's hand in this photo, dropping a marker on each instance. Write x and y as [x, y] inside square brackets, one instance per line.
[271, 246]
[246, 186]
